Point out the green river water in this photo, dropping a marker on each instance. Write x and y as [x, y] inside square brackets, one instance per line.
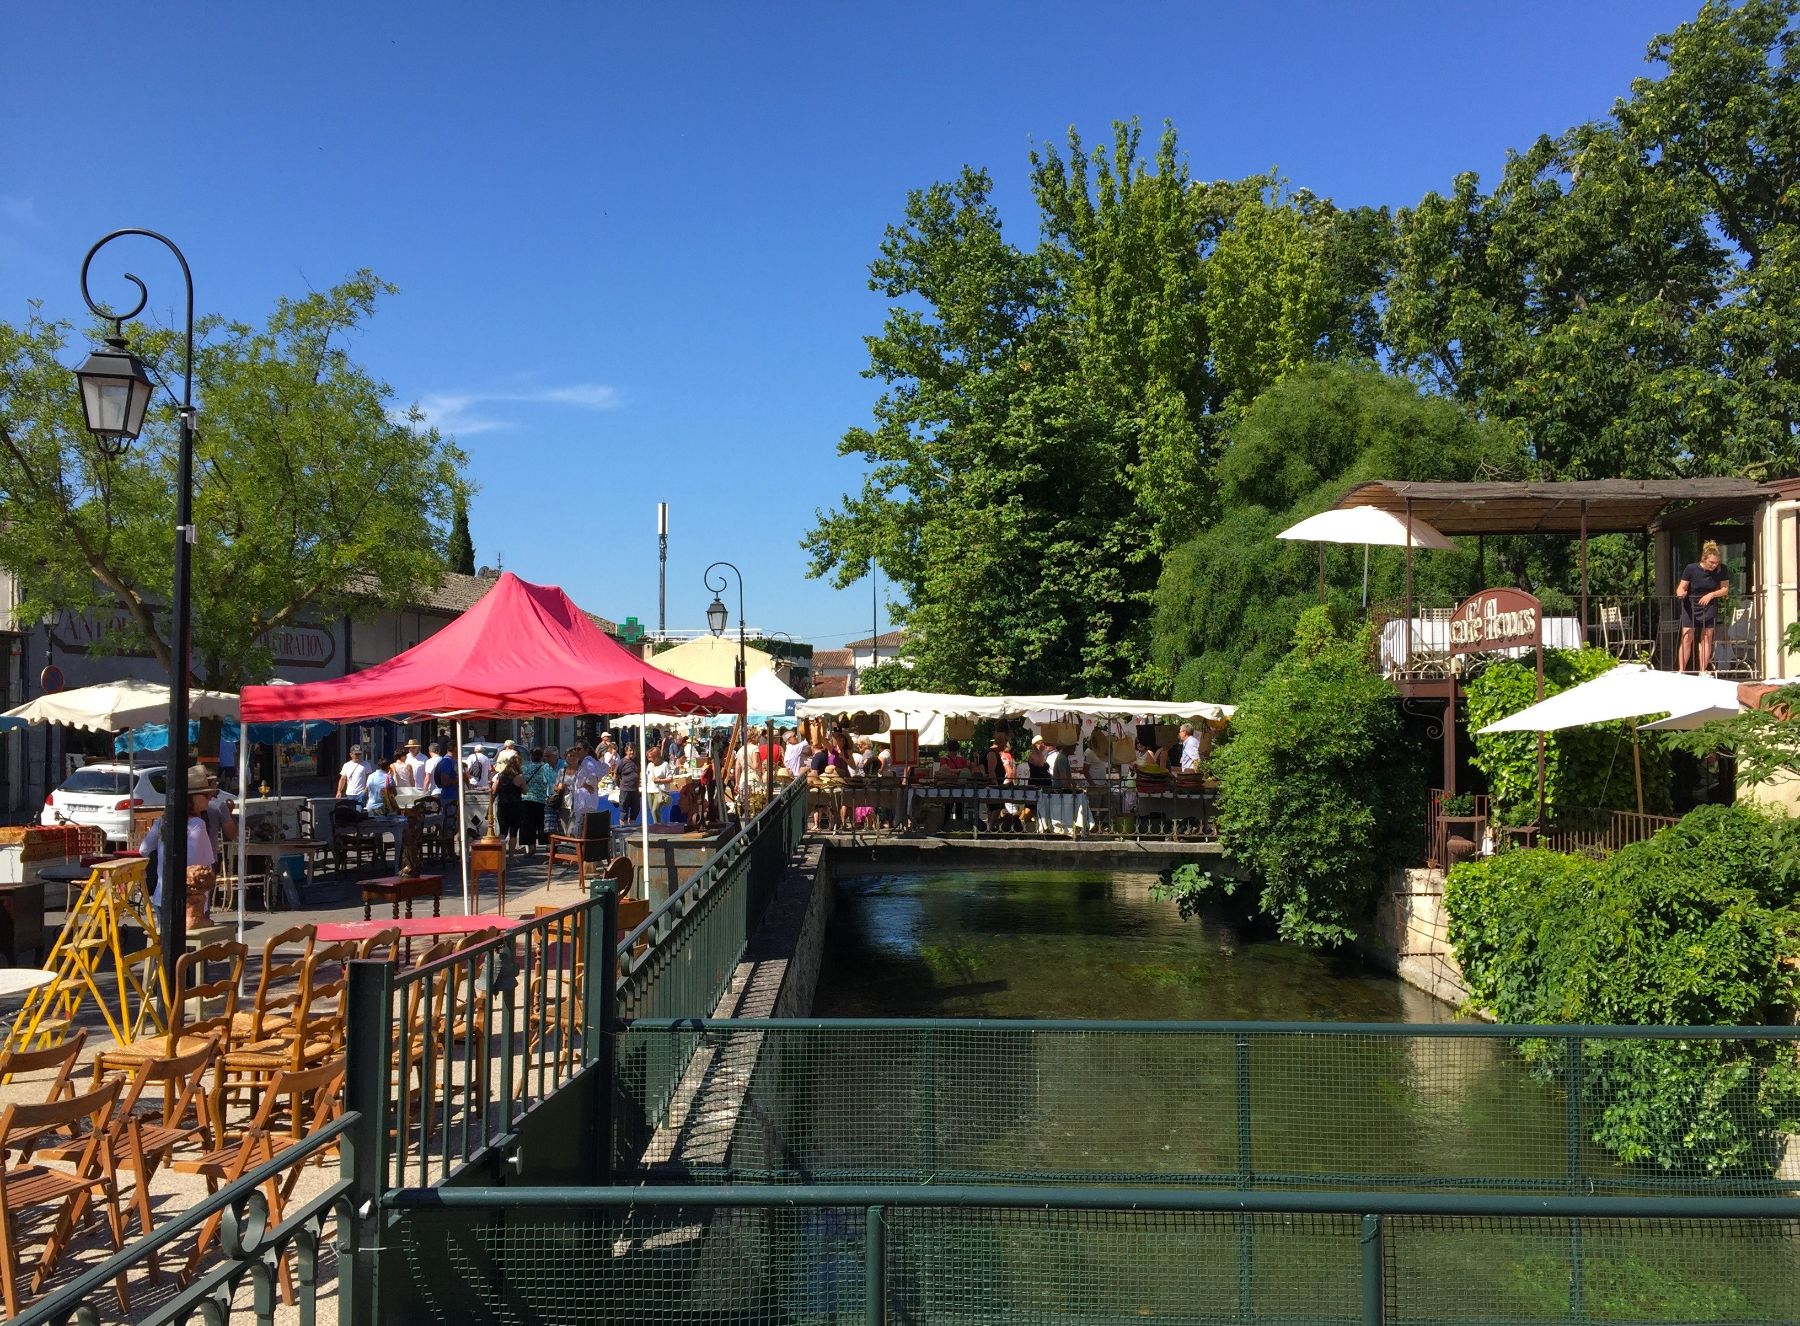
[1322, 1112]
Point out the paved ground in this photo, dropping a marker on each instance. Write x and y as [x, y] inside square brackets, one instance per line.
[334, 898]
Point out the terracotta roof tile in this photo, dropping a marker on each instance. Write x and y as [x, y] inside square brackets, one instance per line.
[829, 688]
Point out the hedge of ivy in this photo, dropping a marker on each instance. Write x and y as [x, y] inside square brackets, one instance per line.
[1319, 789]
[1688, 929]
[1583, 766]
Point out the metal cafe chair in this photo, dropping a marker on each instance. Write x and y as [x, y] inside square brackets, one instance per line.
[1616, 636]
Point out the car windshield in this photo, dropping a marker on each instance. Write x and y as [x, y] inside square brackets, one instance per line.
[97, 780]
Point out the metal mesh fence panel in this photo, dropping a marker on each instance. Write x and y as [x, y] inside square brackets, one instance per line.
[1394, 1108]
[970, 1265]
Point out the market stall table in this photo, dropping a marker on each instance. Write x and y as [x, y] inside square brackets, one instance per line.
[16, 981]
[411, 928]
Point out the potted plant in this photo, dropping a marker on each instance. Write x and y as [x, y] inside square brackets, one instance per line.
[1516, 826]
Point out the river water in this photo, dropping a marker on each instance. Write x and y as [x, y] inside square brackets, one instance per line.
[1347, 1112]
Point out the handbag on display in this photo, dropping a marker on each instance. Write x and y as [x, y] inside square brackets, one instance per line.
[959, 729]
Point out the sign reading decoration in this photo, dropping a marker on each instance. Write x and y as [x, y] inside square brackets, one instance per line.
[1496, 619]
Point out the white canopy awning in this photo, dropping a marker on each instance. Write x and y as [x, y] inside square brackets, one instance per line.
[1365, 525]
[1109, 706]
[1629, 690]
[918, 704]
[116, 705]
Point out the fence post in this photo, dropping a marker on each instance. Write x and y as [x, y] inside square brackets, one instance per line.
[368, 1047]
[600, 1013]
[1572, 1114]
[874, 1267]
[1373, 1269]
[1246, 1233]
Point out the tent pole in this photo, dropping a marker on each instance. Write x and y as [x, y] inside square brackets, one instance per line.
[462, 820]
[1637, 765]
[1365, 579]
[243, 879]
[644, 802]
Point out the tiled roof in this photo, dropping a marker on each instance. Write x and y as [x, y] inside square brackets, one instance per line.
[886, 640]
[832, 658]
[829, 688]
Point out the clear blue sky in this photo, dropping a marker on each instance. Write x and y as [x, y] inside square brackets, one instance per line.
[631, 240]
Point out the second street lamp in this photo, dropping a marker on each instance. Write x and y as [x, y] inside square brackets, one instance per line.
[716, 615]
[115, 394]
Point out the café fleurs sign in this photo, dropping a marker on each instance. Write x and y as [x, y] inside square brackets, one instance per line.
[1496, 619]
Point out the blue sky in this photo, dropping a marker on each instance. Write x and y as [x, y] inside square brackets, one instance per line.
[631, 241]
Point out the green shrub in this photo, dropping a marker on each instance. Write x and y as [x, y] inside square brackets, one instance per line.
[1319, 792]
[1686, 929]
[1583, 766]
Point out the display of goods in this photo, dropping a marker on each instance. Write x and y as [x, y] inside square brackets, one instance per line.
[867, 725]
[957, 728]
[1167, 734]
[1060, 734]
[1147, 782]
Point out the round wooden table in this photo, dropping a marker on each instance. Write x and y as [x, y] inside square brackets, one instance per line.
[16, 981]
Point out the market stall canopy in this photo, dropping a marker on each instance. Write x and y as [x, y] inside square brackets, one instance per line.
[1629, 690]
[1108, 706]
[711, 660]
[896, 703]
[304, 732]
[116, 705]
[1366, 525]
[521, 650]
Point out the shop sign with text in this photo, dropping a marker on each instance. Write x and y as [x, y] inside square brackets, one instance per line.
[1496, 619]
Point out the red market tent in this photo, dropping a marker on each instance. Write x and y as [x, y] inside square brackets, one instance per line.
[522, 651]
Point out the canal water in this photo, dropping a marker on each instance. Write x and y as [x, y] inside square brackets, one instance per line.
[1351, 1112]
[1079, 944]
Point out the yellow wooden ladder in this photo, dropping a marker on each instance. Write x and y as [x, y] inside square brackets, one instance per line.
[116, 894]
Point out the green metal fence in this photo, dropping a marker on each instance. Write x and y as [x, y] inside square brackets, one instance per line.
[1008, 1255]
[1250, 1106]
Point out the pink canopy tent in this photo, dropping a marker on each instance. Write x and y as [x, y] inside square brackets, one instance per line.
[522, 651]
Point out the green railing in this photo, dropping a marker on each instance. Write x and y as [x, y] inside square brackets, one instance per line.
[1252, 1106]
[254, 1255]
[453, 1055]
[902, 1254]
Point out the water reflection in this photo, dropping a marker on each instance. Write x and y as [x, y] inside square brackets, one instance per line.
[1067, 944]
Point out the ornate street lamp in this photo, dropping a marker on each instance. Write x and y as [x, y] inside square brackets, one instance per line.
[115, 394]
[716, 615]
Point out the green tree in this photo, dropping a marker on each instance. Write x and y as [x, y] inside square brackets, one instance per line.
[1626, 293]
[1319, 789]
[1229, 599]
[310, 498]
[462, 547]
[1051, 414]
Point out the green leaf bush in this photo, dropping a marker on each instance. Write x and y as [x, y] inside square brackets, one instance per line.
[1689, 928]
[1319, 790]
[1583, 766]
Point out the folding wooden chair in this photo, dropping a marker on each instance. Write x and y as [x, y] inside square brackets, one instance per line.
[313, 1034]
[382, 946]
[317, 1096]
[277, 986]
[25, 1185]
[61, 1058]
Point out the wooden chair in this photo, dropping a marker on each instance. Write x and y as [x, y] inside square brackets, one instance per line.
[25, 1185]
[277, 986]
[622, 872]
[593, 843]
[317, 1100]
[349, 840]
[61, 1086]
[488, 859]
[382, 946]
[187, 1033]
[313, 1034]
[145, 1136]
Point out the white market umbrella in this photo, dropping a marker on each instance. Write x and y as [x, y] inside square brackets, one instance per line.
[116, 705]
[1367, 525]
[1627, 692]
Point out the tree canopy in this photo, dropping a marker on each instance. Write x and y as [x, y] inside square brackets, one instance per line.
[311, 496]
[1059, 418]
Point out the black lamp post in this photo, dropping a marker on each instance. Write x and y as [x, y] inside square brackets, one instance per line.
[115, 394]
[716, 615]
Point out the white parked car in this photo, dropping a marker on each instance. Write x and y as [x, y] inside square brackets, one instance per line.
[105, 795]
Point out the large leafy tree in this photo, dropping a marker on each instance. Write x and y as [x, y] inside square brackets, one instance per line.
[311, 497]
[1052, 413]
[1230, 598]
[1626, 292]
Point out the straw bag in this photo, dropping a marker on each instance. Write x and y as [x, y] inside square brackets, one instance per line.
[957, 728]
[1060, 734]
[867, 725]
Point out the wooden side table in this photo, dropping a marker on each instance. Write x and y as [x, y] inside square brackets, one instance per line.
[397, 889]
